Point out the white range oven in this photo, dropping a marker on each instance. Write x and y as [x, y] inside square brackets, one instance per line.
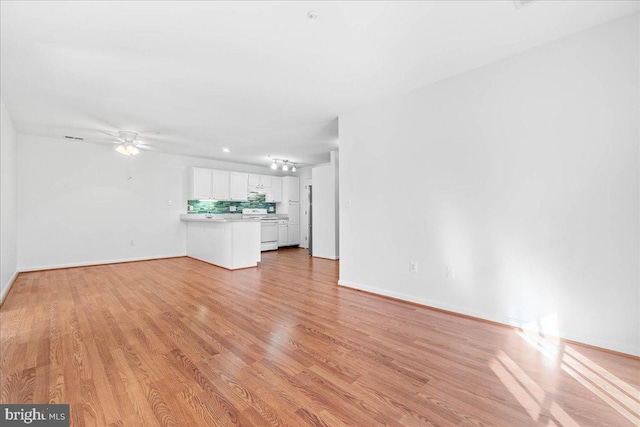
[268, 228]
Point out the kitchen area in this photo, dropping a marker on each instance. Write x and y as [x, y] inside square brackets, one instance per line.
[234, 216]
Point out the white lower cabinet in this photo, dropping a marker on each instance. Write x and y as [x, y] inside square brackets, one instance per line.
[283, 233]
[231, 245]
[294, 234]
[288, 233]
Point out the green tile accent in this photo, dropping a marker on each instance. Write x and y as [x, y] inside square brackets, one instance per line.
[255, 201]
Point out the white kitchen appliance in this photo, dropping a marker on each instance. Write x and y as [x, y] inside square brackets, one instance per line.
[268, 229]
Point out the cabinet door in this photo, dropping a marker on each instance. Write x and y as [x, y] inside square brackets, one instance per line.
[276, 189]
[292, 190]
[238, 186]
[294, 234]
[283, 235]
[254, 180]
[265, 181]
[293, 212]
[295, 189]
[220, 185]
[200, 184]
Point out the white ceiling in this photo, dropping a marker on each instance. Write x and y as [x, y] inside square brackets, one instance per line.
[257, 77]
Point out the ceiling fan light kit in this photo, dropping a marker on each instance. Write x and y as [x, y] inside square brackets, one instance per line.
[128, 149]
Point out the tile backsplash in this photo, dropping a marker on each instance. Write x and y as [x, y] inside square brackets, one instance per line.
[255, 201]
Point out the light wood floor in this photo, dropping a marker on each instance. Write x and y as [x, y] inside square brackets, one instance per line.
[178, 342]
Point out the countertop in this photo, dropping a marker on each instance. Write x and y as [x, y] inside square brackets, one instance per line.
[225, 217]
[215, 218]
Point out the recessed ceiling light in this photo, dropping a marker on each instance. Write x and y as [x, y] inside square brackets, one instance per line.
[226, 150]
[312, 15]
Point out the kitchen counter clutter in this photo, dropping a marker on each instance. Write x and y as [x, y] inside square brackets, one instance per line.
[223, 240]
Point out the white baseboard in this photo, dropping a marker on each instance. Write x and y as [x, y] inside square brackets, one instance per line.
[508, 321]
[97, 262]
[5, 290]
[331, 257]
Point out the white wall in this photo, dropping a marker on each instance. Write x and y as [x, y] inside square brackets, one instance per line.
[522, 175]
[8, 202]
[325, 208]
[77, 206]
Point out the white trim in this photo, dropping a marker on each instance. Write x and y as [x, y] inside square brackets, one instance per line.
[332, 258]
[92, 263]
[508, 321]
[9, 285]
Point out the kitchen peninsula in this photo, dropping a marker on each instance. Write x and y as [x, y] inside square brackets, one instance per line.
[231, 243]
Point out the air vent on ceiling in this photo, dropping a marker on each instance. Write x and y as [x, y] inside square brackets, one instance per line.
[74, 137]
[522, 3]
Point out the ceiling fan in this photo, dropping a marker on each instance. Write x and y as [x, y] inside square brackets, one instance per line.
[129, 144]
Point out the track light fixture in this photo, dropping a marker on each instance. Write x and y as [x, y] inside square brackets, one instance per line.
[286, 164]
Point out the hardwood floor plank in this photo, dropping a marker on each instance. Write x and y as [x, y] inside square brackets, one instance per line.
[220, 401]
[178, 342]
[135, 404]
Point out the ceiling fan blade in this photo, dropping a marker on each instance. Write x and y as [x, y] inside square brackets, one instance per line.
[110, 134]
[149, 148]
[159, 140]
[97, 141]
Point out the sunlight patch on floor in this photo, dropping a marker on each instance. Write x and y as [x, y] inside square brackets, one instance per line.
[616, 393]
[527, 392]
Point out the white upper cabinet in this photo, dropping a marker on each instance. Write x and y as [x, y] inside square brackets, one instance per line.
[259, 182]
[200, 180]
[238, 185]
[254, 180]
[290, 189]
[265, 181]
[208, 184]
[220, 185]
[205, 184]
[276, 190]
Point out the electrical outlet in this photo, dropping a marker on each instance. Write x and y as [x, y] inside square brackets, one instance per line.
[232, 208]
[169, 202]
[451, 273]
[413, 266]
